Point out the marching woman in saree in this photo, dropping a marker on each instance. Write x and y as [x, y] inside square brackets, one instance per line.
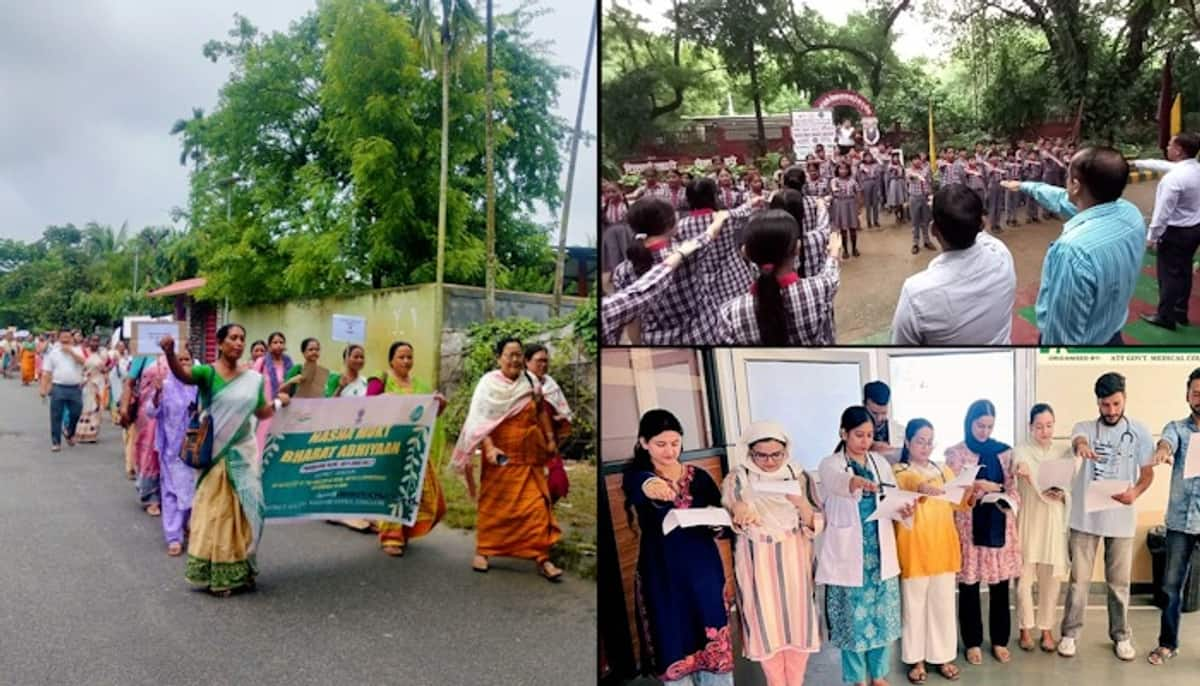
[171, 406]
[399, 380]
[227, 510]
[274, 367]
[95, 369]
[508, 422]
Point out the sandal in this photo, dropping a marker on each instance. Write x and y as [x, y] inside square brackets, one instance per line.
[1048, 644]
[1160, 655]
[480, 564]
[949, 671]
[549, 572]
[975, 656]
[153, 510]
[1026, 642]
[175, 549]
[917, 675]
[1001, 654]
[393, 549]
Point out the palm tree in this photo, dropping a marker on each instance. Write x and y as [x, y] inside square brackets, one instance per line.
[190, 130]
[489, 301]
[455, 28]
[561, 259]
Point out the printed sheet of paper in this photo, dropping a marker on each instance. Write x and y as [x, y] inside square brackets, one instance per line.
[1191, 459]
[890, 505]
[957, 487]
[697, 516]
[788, 487]
[1100, 493]
[1001, 499]
[1056, 474]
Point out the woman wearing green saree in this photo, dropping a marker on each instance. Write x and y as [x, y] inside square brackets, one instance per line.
[398, 379]
[227, 511]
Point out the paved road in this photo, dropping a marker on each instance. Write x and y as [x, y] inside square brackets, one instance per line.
[88, 595]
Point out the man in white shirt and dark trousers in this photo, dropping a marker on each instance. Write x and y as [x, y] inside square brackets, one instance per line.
[965, 296]
[62, 378]
[1175, 228]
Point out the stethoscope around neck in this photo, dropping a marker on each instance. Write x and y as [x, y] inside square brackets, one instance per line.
[1127, 433]
[874, 469]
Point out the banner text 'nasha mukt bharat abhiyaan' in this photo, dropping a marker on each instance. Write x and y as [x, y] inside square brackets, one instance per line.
[348, 457]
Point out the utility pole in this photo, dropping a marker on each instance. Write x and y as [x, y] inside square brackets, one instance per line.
[562, 232]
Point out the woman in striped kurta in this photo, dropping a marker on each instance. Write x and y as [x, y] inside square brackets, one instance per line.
[774, 532]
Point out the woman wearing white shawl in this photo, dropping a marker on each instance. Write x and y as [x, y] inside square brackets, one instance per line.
[508, 424]
[773, 555]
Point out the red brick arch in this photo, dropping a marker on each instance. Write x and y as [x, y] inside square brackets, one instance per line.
[845, 98]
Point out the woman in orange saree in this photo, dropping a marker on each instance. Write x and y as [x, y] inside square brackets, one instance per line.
[398, 379]
[508, 422]
[28, 360]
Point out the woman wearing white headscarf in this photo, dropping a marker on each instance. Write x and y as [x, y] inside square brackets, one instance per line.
[774, 532]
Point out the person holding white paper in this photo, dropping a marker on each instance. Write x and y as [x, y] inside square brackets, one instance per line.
[774, 532]
[858, 562]
[680, 577]
[1042, 529]
[1114, 448]
[929, 558]
[1178, 448]
[987, 533]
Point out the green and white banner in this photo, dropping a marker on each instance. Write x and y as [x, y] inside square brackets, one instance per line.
[348, 457]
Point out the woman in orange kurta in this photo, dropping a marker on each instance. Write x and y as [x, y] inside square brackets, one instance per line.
[508, 422]
[28, 362]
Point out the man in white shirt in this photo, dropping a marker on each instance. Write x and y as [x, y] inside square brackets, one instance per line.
[62, 378]
[1116, 450]
[965, 296]
[1175, 228]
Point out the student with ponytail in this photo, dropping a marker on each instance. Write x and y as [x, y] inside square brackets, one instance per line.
[622, 307]
[685, 312]
[781, 308]
[813, 219]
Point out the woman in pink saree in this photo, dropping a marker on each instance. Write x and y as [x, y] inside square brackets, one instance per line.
[273, 366]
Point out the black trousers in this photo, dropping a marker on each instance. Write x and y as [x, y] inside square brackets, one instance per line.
[970, 618]
[1176, 250]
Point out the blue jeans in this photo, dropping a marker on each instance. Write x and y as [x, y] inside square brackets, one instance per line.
[69, 398]
[1179, 559]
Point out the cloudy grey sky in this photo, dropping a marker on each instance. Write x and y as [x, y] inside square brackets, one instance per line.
[89, 90]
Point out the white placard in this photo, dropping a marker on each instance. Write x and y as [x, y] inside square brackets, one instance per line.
[146, 335]
[810, 127]
[1100, 493]
[695, 516]
[348, 329]
[127, 324]
[1056, 474]
[787, 487]
[1191, 459]
[1000, 499]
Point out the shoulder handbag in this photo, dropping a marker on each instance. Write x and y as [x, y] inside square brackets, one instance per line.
[198, 443]
[557, 479]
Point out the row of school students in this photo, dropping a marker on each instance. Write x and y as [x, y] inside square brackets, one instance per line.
[896, 580]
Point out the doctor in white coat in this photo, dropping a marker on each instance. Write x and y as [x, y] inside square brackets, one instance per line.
[857, 560]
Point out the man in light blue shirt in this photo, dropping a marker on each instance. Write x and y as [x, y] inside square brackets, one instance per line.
[1183, 518]
[1089, 273]
[1114, 448]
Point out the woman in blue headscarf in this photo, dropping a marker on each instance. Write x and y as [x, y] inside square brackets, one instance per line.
[987, 532]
